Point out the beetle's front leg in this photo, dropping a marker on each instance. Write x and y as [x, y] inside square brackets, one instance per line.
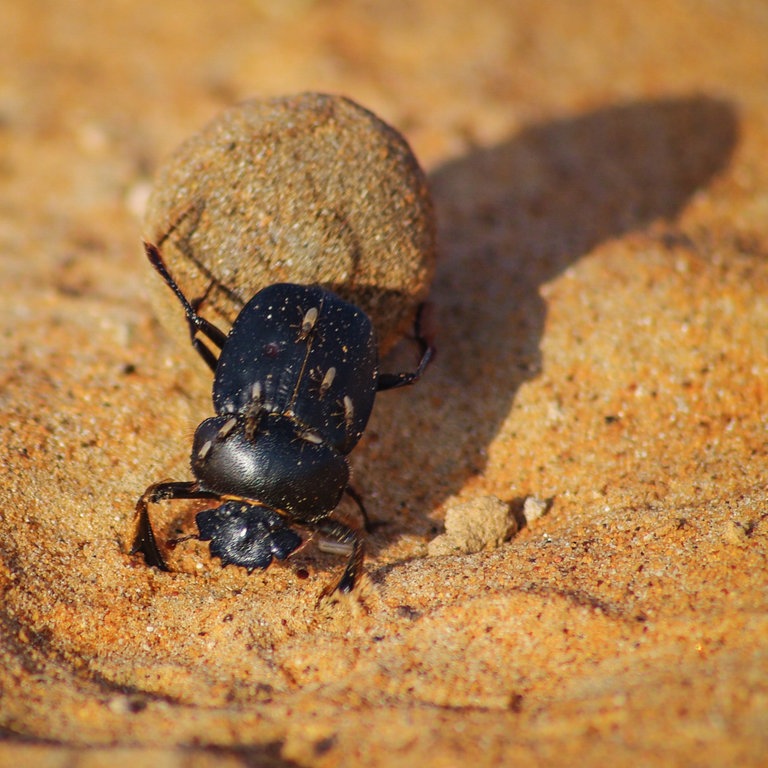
[343, 534]
[144, 540]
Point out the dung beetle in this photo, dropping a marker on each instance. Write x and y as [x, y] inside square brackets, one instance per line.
[294, 385]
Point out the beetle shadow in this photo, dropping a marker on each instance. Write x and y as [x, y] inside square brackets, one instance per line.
[511, 218]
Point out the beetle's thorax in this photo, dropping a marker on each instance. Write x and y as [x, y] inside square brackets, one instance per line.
[270, 457]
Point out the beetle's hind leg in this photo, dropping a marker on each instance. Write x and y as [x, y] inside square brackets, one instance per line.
[427, 350]
[196, 322]
[144, 540]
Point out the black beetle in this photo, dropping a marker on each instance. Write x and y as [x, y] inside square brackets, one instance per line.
[294, 385]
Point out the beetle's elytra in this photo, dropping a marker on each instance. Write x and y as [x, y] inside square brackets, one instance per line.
[294, 385]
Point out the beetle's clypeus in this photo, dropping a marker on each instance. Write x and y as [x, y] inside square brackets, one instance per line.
[294, 385]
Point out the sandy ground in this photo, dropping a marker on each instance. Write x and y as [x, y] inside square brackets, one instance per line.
[600, 175]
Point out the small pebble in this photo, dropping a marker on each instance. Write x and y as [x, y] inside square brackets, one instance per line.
[735, 533]
[472, 526]
[534, 508]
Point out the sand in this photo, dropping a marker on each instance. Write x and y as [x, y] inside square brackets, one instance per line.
[600, 178]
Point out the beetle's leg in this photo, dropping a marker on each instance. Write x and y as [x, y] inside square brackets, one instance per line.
[395, 380]
[196, 322]
[358, 499]
[144, 537]
[344, 535]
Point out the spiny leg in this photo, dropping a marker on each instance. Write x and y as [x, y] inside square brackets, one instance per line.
[395, 380]
[344, 535]
[144, 540]
[196, 322]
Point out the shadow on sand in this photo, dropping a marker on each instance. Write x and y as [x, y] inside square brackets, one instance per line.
[511, 218]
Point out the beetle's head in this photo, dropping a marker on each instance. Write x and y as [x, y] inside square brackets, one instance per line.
[278, 464]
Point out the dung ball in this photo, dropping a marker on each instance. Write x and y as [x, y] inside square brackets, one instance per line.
[310, 189]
